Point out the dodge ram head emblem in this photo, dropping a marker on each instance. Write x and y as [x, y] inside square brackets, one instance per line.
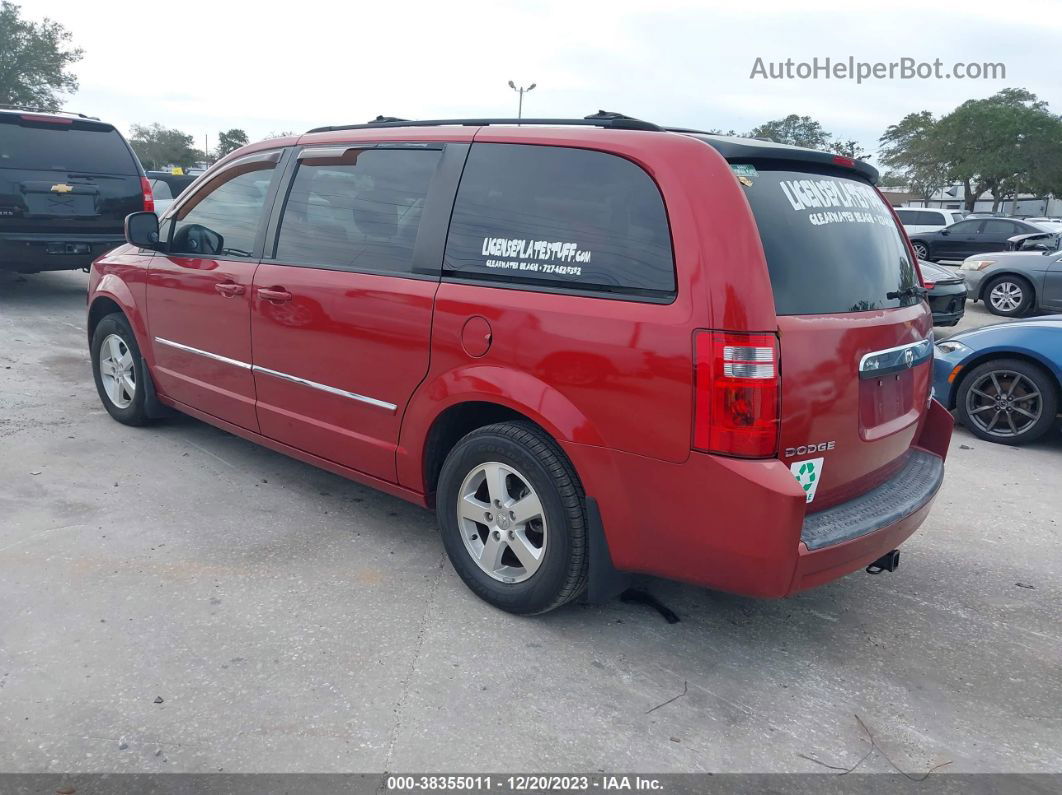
[61, 188]
[908, 357]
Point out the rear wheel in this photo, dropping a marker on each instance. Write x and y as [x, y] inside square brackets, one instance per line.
[118, 370]
[1008, 296]
[1008, 401]
[511, 514]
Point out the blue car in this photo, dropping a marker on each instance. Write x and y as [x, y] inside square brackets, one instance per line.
[1004, 382]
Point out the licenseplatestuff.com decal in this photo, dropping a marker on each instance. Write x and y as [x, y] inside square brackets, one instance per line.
[555, 257]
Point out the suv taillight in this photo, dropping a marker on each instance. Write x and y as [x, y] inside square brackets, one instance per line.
[149, 200]
[737, 392]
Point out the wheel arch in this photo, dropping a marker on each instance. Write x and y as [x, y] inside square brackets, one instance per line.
[111, 295]
[469, 397]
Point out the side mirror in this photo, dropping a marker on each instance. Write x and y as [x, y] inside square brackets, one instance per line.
[142, 229]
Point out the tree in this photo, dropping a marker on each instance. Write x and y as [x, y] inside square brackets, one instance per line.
[795, 131]
[158, 147]
[914, 152]
[848, 148]
[230, 141]
[1007, 143]
[34, 61]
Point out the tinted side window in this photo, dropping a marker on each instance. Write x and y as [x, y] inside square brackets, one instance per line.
[999, 228]
[964, 227]
[934, 218]
[908, 216]
[555, 216]
[360, 211]
[222, 218]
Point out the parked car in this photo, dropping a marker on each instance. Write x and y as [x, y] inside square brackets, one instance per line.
[67, 183]
[927, 219]
[569, 337]
[166, 186]
[947, 293]
[1015, 283]
[970, 236]
[1003, 381]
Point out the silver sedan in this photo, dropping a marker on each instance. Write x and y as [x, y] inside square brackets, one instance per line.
[1015, 283]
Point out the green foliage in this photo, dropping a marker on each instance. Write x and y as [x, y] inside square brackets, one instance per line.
[158, 147]
[848, 148]
[230, 141]
[911, 150]
[1007, 143]
[795, 131]
[805, 131]
[34, 61]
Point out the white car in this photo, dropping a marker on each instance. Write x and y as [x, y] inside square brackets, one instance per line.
[927, 219]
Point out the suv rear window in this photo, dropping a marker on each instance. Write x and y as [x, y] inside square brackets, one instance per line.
[560, 217]
[78, 147]
[831, 243]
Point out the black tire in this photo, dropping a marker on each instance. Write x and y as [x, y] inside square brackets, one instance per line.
[1007, 284]
[536, 457]
[1017, 428]
[922, 250]
[135, 413]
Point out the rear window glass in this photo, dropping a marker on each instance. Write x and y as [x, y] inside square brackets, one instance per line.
[560, 217]
[831, 243]
[64, 147]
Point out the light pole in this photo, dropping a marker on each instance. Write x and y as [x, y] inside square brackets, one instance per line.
[520, 90]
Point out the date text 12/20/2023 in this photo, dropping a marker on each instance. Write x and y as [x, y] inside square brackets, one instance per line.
[522, 783]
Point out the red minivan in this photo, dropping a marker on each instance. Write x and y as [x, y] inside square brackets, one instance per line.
[595, 346]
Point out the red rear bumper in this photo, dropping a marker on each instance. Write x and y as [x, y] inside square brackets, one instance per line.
[730, 524]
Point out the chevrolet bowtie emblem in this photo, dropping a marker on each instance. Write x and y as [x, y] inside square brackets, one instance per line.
[61, 188]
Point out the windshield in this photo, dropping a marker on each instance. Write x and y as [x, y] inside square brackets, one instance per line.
[831, 242]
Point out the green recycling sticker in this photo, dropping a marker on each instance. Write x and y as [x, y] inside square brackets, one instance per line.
[744, 170]
[808, 474]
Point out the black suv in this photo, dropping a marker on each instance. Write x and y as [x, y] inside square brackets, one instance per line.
[67, 182]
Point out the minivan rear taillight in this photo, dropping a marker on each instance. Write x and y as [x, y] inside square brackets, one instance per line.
[737, 391]
[149, 200]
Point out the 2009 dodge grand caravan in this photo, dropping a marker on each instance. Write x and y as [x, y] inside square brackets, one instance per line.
[595, 346]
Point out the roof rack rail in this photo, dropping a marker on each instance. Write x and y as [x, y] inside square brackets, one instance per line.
[50, 112]
[607, 119]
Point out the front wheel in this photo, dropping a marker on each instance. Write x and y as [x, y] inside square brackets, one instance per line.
[921, 250]
[1008, 296]
[1009, 401]
[510, 509]
[118, 370]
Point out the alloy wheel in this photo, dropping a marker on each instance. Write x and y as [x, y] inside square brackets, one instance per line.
[116, 371]
[1006, 296]
[1004, 403]
[502, 522]
[920, 250]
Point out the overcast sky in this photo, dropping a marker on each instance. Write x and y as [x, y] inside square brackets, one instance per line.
[206, 66]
